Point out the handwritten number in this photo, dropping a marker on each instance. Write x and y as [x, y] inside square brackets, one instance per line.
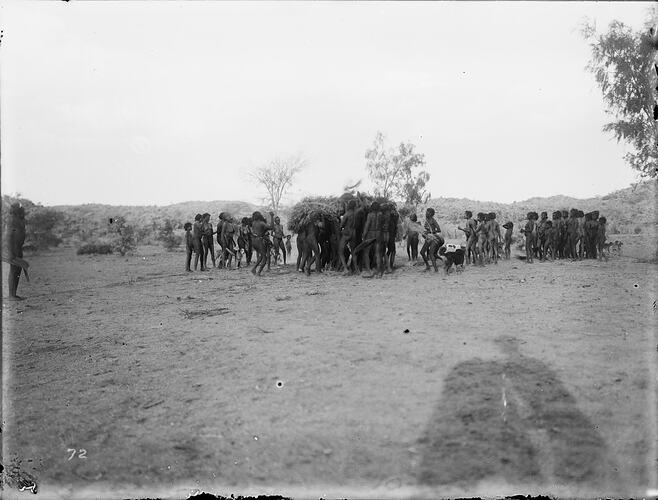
[82, 453]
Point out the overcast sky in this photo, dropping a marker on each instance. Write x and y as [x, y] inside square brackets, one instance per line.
[162, 102]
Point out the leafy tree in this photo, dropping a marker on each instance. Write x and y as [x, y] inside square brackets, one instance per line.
[166, 235]
[394, 172]
[277, 176]
[623, 65]
[124, 235]
[413, 189]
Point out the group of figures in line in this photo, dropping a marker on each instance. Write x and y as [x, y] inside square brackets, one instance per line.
[570, 234]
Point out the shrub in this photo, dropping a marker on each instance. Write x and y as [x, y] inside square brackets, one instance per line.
[637, 230]
[166, 235]
[124, 239]
[41, 226]
[94, 248]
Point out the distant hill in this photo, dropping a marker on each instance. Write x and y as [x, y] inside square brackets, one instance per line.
[629, 210]
[625, 209]
[89, 220]
[181, 212]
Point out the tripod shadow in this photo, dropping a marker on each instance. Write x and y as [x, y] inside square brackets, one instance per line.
[511, 420]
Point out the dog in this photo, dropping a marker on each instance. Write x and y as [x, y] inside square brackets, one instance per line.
[452, 254]
[606, 246]
[615, 246]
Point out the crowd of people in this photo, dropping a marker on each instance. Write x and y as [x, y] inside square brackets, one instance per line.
[236, 240]
[362, 238]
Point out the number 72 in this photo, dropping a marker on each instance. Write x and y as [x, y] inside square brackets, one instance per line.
[82, 453]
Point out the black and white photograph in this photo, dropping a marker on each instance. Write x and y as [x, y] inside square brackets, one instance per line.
[332, 249]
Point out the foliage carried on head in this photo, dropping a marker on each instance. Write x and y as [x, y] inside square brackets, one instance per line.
[312, 209]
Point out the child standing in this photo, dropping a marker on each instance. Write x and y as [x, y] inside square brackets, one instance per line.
[197, 232]
[529, 232]
[189, 245]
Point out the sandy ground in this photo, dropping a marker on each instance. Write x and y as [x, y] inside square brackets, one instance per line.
[507, 379]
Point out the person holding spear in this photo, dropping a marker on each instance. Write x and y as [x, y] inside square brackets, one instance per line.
[15, 238]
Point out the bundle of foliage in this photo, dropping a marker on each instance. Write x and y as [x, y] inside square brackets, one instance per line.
[94, 248]
[166, 235]
[313, 208]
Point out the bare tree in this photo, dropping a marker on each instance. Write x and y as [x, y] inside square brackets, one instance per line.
[277, 176]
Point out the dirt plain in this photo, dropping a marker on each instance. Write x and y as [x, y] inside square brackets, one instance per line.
[513, 378]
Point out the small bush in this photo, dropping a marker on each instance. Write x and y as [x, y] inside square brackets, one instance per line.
[124, 236]
[94, 249]
[166, 235]
[637, 230]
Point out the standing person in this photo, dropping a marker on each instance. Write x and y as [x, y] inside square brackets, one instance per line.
[277, 230]
[261, 242]
[541, 234]
[557, 233]
[529, 232]
[189, 245]
[391, 250]
[564, 237]
[244, 240]
[494, 236]
[347, 235]
[15, 238]
[554, 234]
[581, 233]
[549, 243]
[381, 243]
[431, 227]
[572, 234]
[591, 233]
[228, 233]
[482, 232]
[207, 240]
[220, 238]
[600, 238]
[197, 234]
[412, 232]
[509, 228]
[433, 240]
[288, 245]
[471, 236]
[370, 235]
